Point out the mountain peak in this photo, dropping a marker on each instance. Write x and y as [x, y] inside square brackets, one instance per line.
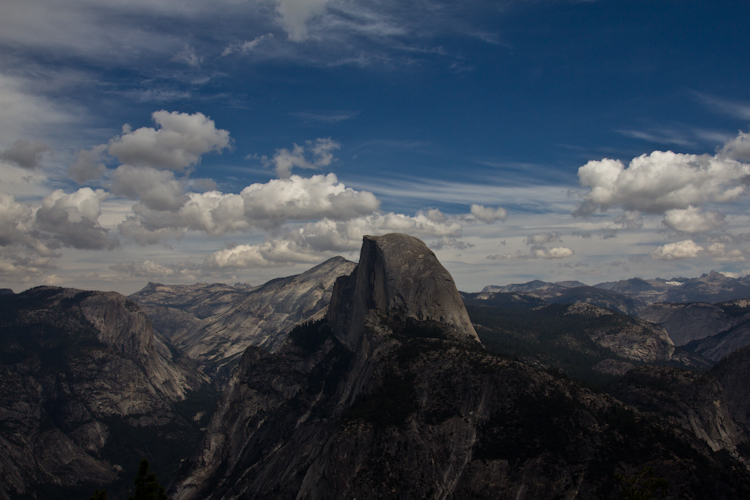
[400, 277]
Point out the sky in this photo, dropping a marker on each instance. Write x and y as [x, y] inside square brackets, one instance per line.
[231, 141]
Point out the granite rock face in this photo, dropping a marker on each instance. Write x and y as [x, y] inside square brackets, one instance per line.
[214, 324]
[733, 373]
[72, 365]
[397, 276]
[391, 396]
[692, 400]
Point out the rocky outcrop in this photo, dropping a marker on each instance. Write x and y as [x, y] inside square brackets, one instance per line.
[692, 400]
[709, 330]
[733, 373]
[631, 339]
[392, 396]
[399, 277]
[263, 317]
[687, 322]
[76, 368]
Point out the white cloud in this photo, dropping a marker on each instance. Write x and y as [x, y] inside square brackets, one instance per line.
[720, 252]
[309, 242]
[179, 143]
[265, 206]
[488, 215]
[320, 149]
[537, 252]
[552, 253]
[685, 249]
[188, 56]
[25, 154]
[296, 13]
[660, 181]
[247, 46]
[693, 220]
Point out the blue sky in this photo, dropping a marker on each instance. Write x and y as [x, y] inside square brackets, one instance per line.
[244, 140]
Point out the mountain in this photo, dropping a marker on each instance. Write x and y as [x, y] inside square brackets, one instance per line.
[86, 389]
[214, 324]
[711, 288]
[710, 330]
[569, 292]
[632, 295]
[391, 395]
[733, 372]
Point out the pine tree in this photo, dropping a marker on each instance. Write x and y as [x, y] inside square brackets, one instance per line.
[98, 495]
[146, 485]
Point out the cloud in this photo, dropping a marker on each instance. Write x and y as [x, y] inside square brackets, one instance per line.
[156, 189]
[536, 253]
[72, 219]
[325, 116]
[247, 46]
[659, 182]
[89, 165]
[737, 148]
[320, 149]
[25, 154]
[307, 243]
[692, 220]
[542, 238]
[488, 215]
[552, 253]
[188, 56]
[179, 143]
[719, 252]
[263, 206]
[296, 13]
[685, 249]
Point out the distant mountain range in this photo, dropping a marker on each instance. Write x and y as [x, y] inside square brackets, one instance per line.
[364, 379]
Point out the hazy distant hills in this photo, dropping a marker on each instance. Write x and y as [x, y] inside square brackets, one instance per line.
[632, 295]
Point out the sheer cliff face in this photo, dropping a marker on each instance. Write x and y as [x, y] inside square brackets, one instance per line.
[398, 277]
[214, 324]
[392, 396]
[70, 363]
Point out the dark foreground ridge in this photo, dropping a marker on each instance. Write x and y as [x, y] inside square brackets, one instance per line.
[392, 396]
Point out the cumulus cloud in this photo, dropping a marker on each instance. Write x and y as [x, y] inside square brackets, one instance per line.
[692, 220]
[542, 238]
[179, 143]
[307, 243]
[25, 154]
[73, 219]
[684, 249]
[296, 13]
[737, 148]
[89, 165]
[720, 252]
[488, 215]
[320, 150]
[156, 189]
[262, 206]
[660, 182]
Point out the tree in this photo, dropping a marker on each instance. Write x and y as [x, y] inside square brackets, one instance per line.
[98, 495]
[643, 485]
[146, 485]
